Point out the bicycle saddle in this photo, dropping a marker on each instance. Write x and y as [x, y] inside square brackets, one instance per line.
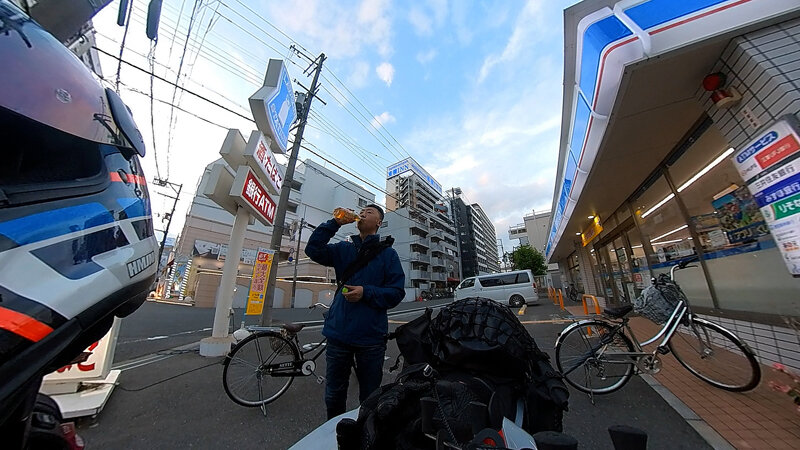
[293, 327]
[618, 311]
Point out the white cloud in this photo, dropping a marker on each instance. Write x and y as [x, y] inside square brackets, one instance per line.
[382, 119]
[339, 32]
[426, 57]
[422, 23]
[528, 31]
[385, 72]
[359, 75]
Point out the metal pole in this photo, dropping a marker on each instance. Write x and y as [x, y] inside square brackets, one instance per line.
[296, 259]
[219, 342]
[169, 221]
[280, 214]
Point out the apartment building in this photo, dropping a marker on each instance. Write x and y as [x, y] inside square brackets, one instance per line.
[478, 240]
[418, 218]
[534, 230]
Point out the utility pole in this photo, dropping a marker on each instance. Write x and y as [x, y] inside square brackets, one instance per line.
[458, 232]
[280, 213]
[502, 251]
[297, 258]
[162, 183]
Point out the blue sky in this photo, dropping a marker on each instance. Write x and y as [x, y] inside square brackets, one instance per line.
[471, 90]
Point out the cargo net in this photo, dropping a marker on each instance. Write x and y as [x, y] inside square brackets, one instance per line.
[659, 300]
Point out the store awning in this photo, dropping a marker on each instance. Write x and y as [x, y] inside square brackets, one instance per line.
[630, 97]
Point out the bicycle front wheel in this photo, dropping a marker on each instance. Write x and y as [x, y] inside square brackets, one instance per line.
[257, 370]
[587, 356]
[715, 355]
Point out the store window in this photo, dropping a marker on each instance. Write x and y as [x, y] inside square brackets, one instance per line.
[575, 273]
[664, 229]
[740, 254]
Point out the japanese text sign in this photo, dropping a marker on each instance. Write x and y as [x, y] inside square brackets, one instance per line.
[260, 158]
[251, 194]
[774, 145]
[258, 284]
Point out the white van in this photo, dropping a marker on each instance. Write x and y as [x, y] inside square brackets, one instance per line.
[515, 288]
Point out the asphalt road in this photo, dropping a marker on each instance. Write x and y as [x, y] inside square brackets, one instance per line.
[177, 400]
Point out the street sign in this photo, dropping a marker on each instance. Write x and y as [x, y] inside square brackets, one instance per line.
[273, 106]
[258, 284]
[251, 194]
[260, 158]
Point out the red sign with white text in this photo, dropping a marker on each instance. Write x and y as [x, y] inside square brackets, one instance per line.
[268, 164]
[777, 151]
[255, 195]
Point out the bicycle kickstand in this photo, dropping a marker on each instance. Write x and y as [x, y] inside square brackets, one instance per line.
[263, 409]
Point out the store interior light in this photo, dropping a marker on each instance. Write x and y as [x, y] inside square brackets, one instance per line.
[667, 242]
[590, 217]
[637, 246]
[577, 234]
[688, 183]
[670, 232]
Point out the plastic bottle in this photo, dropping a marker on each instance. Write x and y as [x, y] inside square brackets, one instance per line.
[345, 214]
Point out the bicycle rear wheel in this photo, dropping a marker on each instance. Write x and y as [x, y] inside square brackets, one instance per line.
[249, 374]
[585, 356]
[715, 355]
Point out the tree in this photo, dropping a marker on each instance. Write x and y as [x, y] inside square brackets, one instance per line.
[527, 257]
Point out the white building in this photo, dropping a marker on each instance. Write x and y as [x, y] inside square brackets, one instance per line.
[417, 217]
[534, 230]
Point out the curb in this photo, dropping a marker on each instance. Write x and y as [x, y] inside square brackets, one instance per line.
[705, 430]
[169, 302]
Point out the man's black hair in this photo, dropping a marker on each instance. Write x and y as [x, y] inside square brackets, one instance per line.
[380, 210]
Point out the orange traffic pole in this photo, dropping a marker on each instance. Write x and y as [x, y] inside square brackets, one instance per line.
[561, 299]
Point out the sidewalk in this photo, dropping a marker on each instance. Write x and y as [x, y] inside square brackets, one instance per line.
[759, 419]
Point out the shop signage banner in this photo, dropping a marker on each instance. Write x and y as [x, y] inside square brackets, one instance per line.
[260, 158]
[258, 284]
[273, 106]
[771, 167]
[251, 194]
[592, 231]
[775, 144]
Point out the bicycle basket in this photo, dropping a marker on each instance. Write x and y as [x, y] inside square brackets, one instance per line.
[658, 301]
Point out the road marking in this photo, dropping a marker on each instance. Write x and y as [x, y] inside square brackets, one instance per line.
[155, 338]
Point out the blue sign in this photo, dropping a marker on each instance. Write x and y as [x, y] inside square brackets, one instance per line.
[409, 164]
[281, 108]
[273, 106]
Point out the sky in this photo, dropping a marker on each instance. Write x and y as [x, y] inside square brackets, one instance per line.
[470, 89]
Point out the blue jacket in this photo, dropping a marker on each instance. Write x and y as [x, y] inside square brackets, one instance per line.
[364, 322]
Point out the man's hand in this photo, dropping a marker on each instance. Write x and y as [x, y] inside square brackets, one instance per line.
[353, 294]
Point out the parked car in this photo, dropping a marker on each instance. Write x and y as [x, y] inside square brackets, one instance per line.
[515, 288]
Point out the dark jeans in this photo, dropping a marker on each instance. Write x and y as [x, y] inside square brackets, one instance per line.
[339, 358]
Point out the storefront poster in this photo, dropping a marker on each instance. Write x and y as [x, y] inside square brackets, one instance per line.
[770, 165]
[739, 216]
[248, 255]
[258, 284]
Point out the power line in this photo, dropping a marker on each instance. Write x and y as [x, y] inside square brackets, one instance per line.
[173, 84]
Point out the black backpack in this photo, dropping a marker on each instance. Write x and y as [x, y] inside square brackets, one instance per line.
[464, 370]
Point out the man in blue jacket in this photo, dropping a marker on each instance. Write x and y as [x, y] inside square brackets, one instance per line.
[357, 323]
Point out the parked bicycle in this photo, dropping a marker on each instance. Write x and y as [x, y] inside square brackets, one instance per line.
[261, 367]
[572, 294]
[600, 355]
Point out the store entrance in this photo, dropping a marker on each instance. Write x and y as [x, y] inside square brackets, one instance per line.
[622, 265]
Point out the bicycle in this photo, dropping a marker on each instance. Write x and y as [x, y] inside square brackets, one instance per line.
[596, 355]
[269, 353]
[572, 294]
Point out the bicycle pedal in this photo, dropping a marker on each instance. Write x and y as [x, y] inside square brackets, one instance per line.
[320, 379]
[663, 350]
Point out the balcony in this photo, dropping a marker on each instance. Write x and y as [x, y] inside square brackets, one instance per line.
[420, 275]
[436, 234]
[438, 276]
[295, 197]
[425, 242]
[437, 248]
[420, 257]
[420, 226]
[438, 262]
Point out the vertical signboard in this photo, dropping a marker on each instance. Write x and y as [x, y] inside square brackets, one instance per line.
[251, 194]
[260, 158]
[258, 284]
[771, 168]
[273, 106]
